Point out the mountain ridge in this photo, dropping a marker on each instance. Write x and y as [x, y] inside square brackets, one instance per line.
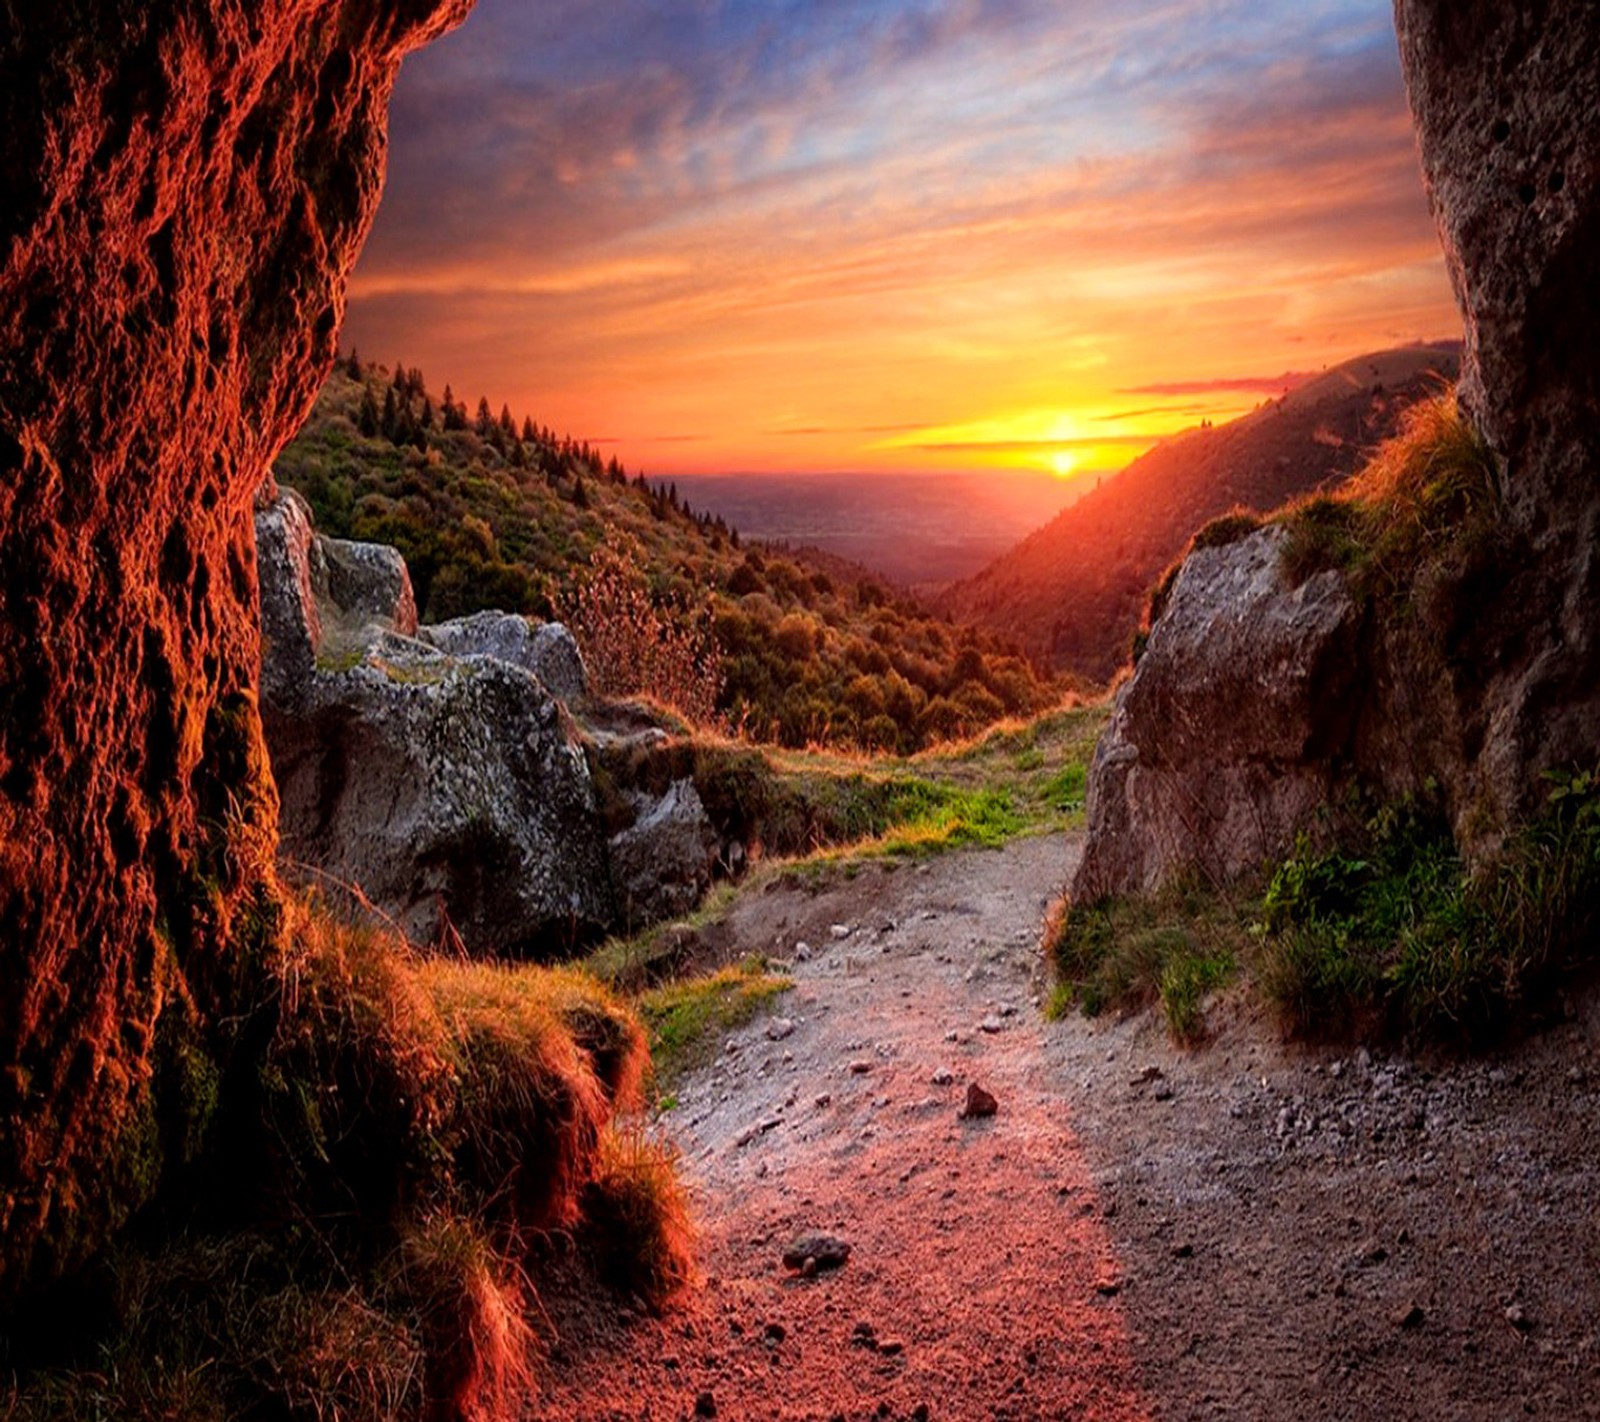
[1073, 592]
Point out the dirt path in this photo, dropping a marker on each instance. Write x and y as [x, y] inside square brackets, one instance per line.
[1248, 1231]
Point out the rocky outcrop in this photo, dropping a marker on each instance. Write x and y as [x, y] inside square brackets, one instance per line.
[185, 191]
[1505, 98]
[446, 787]
[322, 599]
[452, 792]
[547, 649]
[1223, 743]
[1485, 670]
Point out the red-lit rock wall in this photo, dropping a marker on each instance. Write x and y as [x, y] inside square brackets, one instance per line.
[184, 186]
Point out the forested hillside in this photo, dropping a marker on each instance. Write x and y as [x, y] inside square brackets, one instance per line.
[495, 511]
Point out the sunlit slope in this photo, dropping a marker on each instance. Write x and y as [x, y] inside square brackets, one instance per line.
[1073, 592]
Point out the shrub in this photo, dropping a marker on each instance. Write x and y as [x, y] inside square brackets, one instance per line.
[1173, 947]
[633, 645]
[1398, 935]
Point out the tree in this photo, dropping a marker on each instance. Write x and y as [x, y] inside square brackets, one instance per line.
[485, 424]
[367, 417]
[427, 414]
[391, 413]
[352, 367]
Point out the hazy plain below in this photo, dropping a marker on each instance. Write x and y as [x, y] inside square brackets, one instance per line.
[918, 530]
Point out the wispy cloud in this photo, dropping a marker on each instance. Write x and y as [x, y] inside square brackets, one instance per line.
[805, 224]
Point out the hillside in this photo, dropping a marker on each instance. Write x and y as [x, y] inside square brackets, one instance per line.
[1074, 592]
[489, 511]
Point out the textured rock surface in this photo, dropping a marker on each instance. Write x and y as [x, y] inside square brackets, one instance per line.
[1220, 746]
[661, 864]
[321, 598]
[451, 791]
[1505, 98]
[185, 190]
[546, 649]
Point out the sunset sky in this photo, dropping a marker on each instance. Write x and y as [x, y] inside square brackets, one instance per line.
[909, 234]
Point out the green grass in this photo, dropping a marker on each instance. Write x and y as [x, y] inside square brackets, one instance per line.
[686, 1019]
[1393, 934]
[1172, 948]
[1386, 935]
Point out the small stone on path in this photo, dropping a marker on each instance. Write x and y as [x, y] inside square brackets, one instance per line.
[779, 1028]
[705, 1405]
[942, 1076]
[818, 1249]
[979, 1103]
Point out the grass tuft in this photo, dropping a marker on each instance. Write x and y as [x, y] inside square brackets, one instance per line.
[1396, 935]
[1420, 496]
[637, 1222]
[683, 1017]
[1173, 947]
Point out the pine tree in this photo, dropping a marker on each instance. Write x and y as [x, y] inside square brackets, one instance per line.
[367, 417]
[391, 413]
[427, 413]
[352, 366]
[529, 434]
[485, 425]
[580, 495]
[508, 426]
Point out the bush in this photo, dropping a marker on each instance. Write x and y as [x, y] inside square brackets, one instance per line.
[1397, 935]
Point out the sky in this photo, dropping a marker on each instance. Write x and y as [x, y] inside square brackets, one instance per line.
[848, 235]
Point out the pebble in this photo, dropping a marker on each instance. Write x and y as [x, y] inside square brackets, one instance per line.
[979, 1103]
[705, 1405]
[1410, 1317]
[839, 931]
[779, 1028]
[1518, 1318]
[942, 1076]
[860, 1067]
[991, 1025]
[818, 1249]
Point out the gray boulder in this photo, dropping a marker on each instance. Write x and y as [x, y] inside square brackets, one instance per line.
[1221, 744]
[662, 863]
[323, 600]
[546, 649]
[449, 789]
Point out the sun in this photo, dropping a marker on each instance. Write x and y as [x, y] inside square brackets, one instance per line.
[1063, 463]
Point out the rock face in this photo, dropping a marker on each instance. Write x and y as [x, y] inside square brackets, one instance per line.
[1220, 746]
[185, 190]
[448, 788]
[1505, 98]
[546, 649]
[1231, 737]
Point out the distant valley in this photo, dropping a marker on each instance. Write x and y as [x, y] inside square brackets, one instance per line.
[917, 530]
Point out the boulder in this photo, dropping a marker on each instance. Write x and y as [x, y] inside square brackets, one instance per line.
[449, 789]
[662, 863]
[546, 649]
[323, 600]
[1505, 98]
[452, 791]
[1222, 744]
